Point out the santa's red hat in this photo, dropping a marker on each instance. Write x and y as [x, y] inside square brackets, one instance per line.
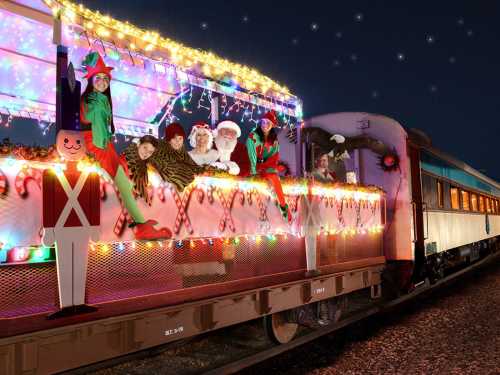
[174, 129]
[271, 116]
[229, 125]
[94, 64]
[197, 127]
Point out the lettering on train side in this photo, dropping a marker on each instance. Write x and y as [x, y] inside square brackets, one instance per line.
[319, 290]
[174, 331]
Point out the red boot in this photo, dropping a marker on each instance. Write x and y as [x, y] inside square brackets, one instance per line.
[146, 231]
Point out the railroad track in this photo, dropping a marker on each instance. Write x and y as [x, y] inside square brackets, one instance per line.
[232, 349]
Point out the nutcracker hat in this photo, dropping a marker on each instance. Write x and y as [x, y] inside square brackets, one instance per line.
[229, 125]
[174, 129]
[94, 64]
[203, 127]
[271, 116]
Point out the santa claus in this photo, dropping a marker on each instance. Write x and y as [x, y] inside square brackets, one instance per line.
[233, 155]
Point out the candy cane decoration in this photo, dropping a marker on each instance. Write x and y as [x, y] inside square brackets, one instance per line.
[24, 176]
[182, 206]
[200, 194]
[102, 188]
[262, 207]
[292, 201]
[241, 197]
[227, 205]
[3, 183]
[340, 209]
[161, 192]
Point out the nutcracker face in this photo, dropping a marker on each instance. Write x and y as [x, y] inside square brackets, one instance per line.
[70, 145]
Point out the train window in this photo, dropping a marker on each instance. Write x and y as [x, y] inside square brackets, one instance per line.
[488, 205]
[473, 202]
[481, 203]
[465, 200]
[440, 195]
[455, 201]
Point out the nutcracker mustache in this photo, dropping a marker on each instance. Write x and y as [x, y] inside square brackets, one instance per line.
[76, 148]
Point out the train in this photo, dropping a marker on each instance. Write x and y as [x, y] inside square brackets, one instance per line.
[400, 213]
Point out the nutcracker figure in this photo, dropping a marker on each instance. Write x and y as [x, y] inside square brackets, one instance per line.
[71, 205]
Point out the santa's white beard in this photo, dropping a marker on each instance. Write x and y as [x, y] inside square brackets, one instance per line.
[225, 147]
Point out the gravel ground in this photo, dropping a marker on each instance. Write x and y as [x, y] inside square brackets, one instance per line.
[453, 331]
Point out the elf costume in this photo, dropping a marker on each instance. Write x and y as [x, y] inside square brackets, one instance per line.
[264, 156]
[97, 116]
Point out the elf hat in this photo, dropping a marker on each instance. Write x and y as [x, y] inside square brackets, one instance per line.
[271, 116]
[94, 64]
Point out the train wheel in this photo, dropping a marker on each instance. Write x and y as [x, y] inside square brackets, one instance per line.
[279, 329]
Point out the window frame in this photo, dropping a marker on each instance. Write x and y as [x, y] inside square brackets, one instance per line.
[476, 209]
[440, 193]
[467, 193]
[451, 197]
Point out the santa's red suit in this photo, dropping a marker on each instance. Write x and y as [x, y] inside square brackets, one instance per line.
[71, 216]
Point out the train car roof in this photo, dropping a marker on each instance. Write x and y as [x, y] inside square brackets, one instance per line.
[463, 174]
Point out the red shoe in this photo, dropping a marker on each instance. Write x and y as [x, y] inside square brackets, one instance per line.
[146, 231]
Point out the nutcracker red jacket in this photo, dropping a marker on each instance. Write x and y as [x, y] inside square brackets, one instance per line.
[55, 198]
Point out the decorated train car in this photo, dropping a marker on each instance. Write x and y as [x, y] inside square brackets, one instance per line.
[189, 247]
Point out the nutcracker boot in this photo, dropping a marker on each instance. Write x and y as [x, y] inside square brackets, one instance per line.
[143, 230]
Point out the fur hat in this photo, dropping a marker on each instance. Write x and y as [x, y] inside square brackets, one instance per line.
[203, 127]
[174, 129]
[229, 125]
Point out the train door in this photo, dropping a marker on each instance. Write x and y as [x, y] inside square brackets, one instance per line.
[418, 210]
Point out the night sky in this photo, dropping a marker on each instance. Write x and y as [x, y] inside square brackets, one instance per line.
[429, 65]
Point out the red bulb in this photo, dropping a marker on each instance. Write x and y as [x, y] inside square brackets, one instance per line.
[389, 160]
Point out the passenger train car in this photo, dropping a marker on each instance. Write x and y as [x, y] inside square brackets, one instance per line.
[440, 211]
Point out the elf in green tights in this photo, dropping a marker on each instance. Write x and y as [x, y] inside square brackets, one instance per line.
[263, 152]
[97, 117]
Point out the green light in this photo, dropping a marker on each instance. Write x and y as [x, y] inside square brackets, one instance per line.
[39, 254]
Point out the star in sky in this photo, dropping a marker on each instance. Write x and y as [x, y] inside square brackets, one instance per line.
[470, 33]
[460, 21]
[433, 88]
[314, 26]
[430, 39]
[354, 57]
[336, 62]
[375, 94]
[359, 17]
[204, 25]
[338, 34]
[401, 56]
[452, 60]
[245, 19]
[295, 41]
